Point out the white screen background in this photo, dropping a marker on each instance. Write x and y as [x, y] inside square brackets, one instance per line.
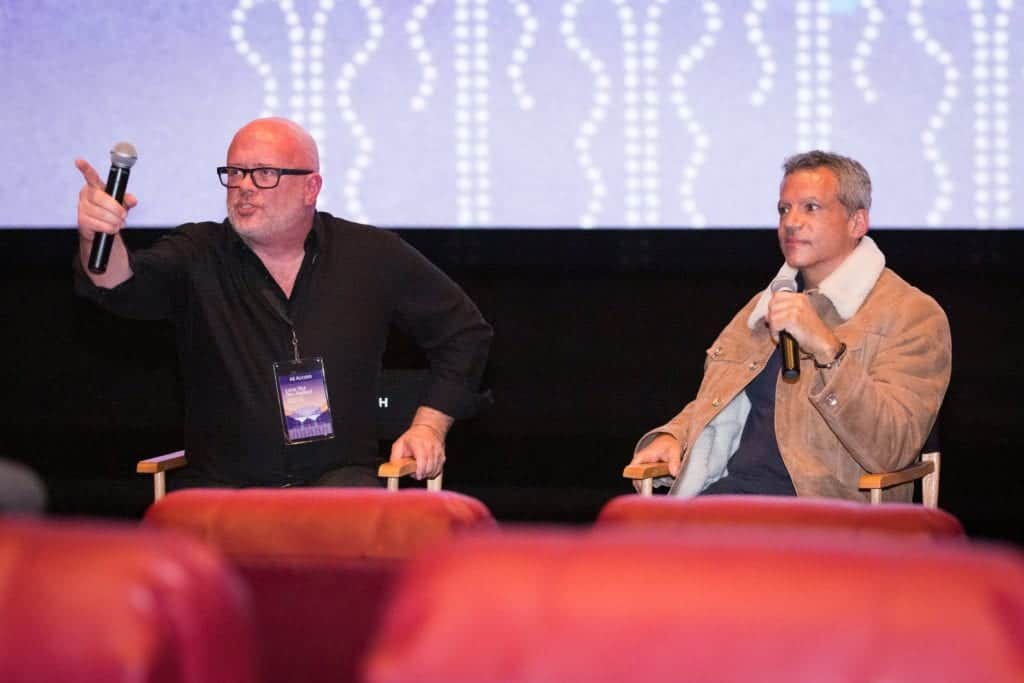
[506, 113]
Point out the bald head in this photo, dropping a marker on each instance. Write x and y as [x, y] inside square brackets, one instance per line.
[278, 217]
[289, 140]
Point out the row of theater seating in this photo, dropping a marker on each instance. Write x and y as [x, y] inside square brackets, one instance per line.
[365, 585]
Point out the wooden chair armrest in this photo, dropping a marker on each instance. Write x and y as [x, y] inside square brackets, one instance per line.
[402, 468]
[646, 470]
[162, 463]
[884, 480]
[393, 471]
[646, 473]
[158, 467]
[927, 471]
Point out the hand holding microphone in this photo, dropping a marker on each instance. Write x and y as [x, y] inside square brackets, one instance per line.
[795, 323]
[102, 209]
[790, 349]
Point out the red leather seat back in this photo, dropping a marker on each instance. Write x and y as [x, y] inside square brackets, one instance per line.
[315, 619]
[319, 522]
[89, 602]
[630, 605]
[320, 562]
[852, 518]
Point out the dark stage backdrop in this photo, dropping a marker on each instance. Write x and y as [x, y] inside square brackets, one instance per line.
[599, 337]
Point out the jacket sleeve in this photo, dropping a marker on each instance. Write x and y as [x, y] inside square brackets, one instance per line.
[677, 427]
[448, 328]
[882, 398]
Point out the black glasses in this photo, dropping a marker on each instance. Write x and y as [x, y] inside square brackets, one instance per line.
[263, 177]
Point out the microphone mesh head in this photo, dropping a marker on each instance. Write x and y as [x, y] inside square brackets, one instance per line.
[123, 155]
[784, 285]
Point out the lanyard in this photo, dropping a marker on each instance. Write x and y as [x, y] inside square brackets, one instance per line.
[279, 310]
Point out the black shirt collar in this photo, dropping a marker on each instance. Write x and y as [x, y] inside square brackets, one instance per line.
[314, 238]
[255, 273]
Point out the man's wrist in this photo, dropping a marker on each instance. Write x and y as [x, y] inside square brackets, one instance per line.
[433, 419]
[833, 356]
[438, 432]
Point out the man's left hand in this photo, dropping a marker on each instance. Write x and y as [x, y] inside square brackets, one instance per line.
[423, 441]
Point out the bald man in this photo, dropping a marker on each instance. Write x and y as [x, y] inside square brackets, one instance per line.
[281, 315]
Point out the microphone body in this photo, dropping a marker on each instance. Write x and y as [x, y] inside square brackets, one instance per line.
[122, 157]
[790, 357]
[790, 349]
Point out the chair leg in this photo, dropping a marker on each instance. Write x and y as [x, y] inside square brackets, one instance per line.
[930, 483]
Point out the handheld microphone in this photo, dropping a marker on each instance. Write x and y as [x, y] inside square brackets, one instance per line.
[790, 349]
[122, 157]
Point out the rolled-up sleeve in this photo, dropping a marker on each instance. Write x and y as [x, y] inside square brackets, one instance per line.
[154, 290]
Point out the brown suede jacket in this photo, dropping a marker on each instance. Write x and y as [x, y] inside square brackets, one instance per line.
[870, 413]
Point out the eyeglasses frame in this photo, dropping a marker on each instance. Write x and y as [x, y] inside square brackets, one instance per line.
[221, 170]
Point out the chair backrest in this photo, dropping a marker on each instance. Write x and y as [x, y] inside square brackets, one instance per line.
[399, 394]
[101, 602]
[777, 512]
[320, 562]
[627, 605]
[926, 469]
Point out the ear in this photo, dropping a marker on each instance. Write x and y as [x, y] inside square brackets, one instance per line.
[858, 224]
[314, 182]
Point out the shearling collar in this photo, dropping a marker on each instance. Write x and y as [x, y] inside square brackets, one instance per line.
[846, 287]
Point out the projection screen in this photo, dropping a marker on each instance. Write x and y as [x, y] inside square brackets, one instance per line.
[515, 113]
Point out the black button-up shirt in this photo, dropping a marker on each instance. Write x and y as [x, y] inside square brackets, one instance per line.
[232, 322]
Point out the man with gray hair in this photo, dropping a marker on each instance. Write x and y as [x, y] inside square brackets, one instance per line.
[868, 362]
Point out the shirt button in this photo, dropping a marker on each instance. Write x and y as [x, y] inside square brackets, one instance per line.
[753, 365]
[715, 402]
[831, 400]
[718, 351]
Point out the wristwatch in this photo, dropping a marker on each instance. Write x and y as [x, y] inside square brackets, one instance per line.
[835, 361]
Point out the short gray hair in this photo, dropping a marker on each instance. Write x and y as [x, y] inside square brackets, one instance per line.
[854, 181]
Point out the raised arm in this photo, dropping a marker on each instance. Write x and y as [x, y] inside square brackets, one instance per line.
[98, 212]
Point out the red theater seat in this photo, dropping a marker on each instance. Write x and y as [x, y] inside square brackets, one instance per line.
[771, 512]
[320, 561]
[87, 603]
[319, 523]
[628, 605]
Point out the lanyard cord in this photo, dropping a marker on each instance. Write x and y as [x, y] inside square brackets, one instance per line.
[279, 310]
